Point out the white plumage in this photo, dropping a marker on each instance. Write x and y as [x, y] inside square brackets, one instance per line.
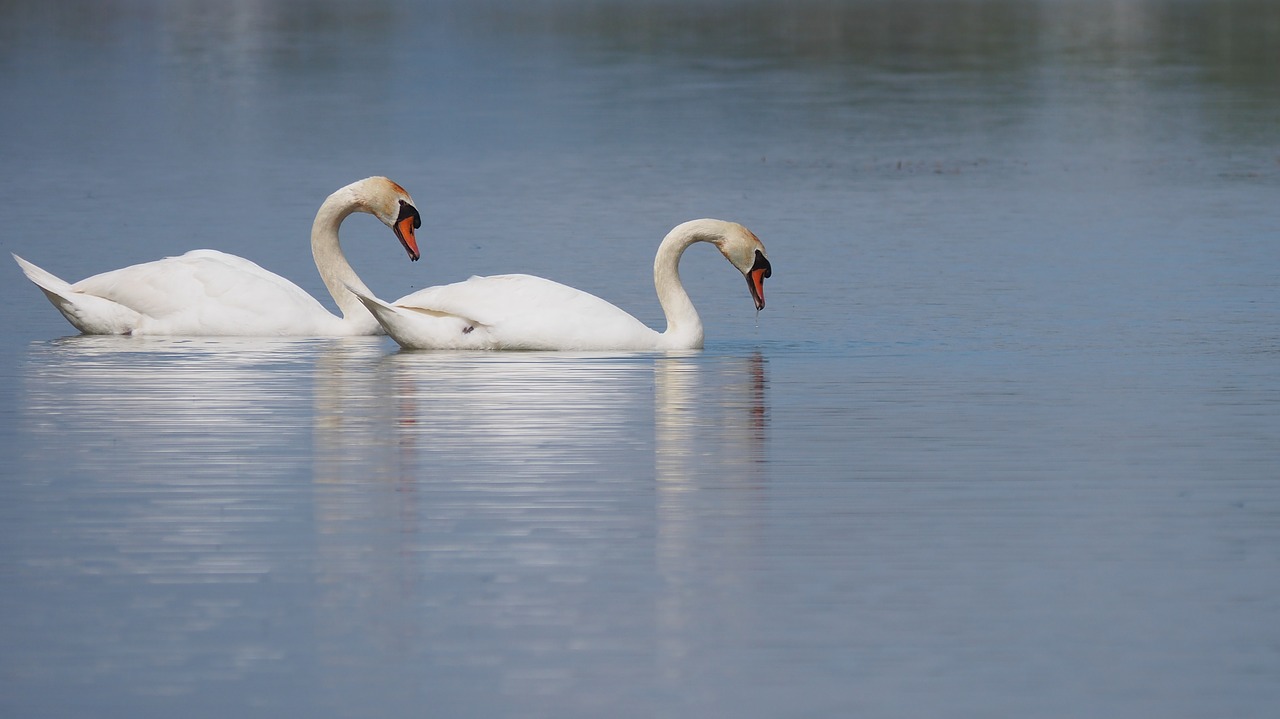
[207, 292]
[522, 312]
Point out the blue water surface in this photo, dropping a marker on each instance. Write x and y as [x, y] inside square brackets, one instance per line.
[1004, 442]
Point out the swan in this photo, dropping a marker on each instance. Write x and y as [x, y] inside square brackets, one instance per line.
[212, 293]
[522, 312]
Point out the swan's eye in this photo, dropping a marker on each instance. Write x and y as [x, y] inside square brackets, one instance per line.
[407, 210]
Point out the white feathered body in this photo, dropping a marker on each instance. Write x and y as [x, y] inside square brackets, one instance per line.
[211, 293]
[203, 292]
[523, 312]
[514, 312]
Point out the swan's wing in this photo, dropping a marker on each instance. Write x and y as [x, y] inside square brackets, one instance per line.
[89, 314]
[507, 298]
[527, 312]
[208, 292]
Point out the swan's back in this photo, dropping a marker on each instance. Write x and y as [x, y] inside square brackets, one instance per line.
[533, 313]
[208, 292]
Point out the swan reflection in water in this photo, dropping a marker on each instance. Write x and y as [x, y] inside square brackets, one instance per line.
[200, 406]
[185, 462]
[710, 428]
[192, 439]
[531, 441]
[546, 482]
[515, 417]
[162, 474]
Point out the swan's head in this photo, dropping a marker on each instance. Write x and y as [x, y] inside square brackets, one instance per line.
[743, 250]
[390, 203]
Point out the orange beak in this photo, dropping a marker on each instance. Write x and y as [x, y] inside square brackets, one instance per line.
[405, 224]
[755, 279]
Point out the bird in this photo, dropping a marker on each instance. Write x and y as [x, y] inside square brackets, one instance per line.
[524, 312]
[212, 293]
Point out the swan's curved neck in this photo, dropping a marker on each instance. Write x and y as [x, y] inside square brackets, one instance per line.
[334, 268]
[684, 326]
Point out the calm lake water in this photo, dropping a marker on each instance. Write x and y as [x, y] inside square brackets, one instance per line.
[1004, 443]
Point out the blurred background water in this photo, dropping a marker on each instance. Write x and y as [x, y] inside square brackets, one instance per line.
[1005, 441]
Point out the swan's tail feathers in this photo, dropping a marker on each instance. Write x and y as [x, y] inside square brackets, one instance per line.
[376, 306]
[421, 328]
[90, 314]
[44, 279]
[386, 315]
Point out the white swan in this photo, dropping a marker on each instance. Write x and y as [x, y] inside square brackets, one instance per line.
[521, 312]
[207, 293]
